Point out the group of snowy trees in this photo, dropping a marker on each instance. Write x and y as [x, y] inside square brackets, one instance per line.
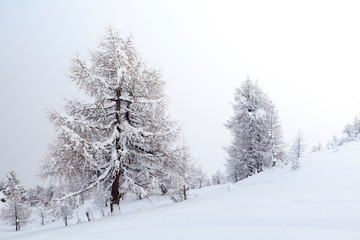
[120, 141]
[257, 142]
[351, 133]
[41, 202]
[218, 178]
[45, 205]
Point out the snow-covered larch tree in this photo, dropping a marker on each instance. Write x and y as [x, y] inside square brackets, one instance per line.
[257, 139]
[187, 172]
[63, 209]
[122, 139]
[16, 210]
[297, 150]
[202, 179]
[218, 178]
[36, 199]
[276, 142]
[352, 131]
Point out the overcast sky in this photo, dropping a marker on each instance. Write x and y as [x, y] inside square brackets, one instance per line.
[304, 54]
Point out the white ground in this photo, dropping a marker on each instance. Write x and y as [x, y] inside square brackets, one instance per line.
[319, 201]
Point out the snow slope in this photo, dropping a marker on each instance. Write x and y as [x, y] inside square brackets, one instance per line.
[321, 200]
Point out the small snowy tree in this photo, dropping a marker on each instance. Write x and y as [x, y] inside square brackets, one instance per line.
[276, 143]
[63, 208]
[202, 179]
[16, 210]
[40, 198]
[187, 172]
[297, 150]
[101, 197]
[316, 148]
[334, 143]
[352, 131]
[218, 178]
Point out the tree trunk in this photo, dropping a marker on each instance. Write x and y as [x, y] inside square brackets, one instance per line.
[185, 197]
[115, 194]
[17, 223]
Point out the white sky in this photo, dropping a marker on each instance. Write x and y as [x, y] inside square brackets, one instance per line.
[305, 55]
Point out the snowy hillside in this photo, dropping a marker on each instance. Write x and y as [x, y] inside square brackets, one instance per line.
[321, 200]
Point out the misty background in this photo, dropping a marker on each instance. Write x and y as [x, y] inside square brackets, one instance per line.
[305, 55]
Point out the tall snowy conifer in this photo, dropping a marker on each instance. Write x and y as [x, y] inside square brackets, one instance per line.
[257, 140]
[122, 141]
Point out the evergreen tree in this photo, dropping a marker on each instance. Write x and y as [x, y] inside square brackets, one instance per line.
[257, 139]
[122, 139]
[16, 210]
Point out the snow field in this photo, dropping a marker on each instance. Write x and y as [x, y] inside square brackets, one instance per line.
[320, 200]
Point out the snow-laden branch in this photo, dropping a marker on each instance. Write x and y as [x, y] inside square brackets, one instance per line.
[101, 178]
